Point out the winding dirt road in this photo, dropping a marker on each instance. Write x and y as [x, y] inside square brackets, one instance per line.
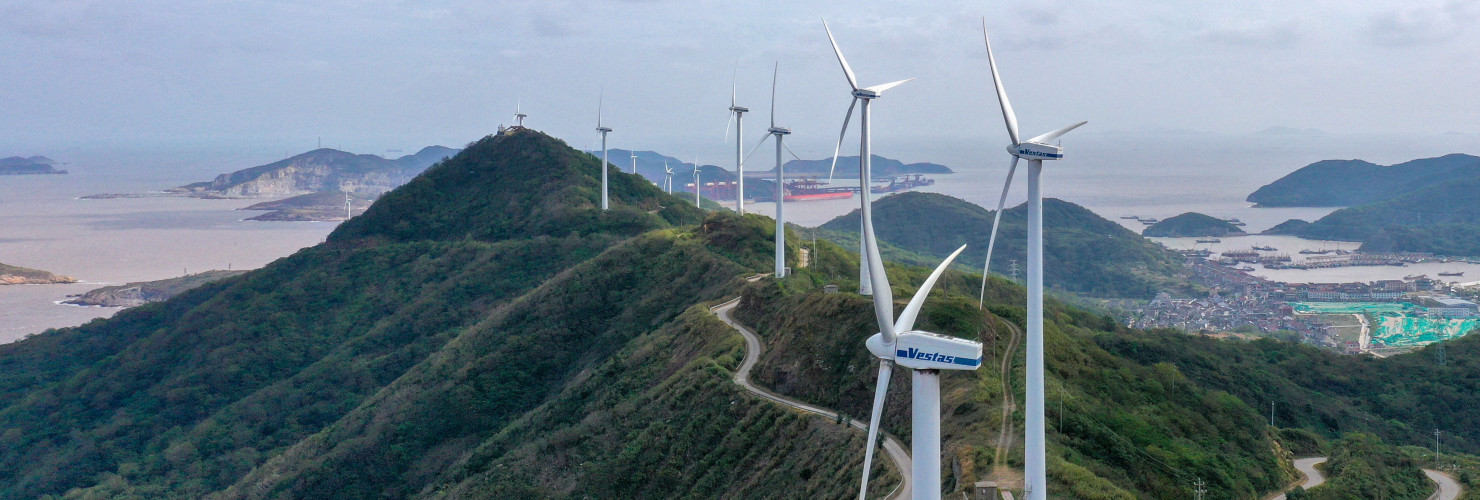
[894, 450]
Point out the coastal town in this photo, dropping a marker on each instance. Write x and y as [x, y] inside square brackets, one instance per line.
[1239, 301]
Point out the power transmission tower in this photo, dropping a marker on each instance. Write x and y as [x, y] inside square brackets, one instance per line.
[1439, 354]
[1199, 488]
[1436, 447]
[1271, 413]
[1014, 270]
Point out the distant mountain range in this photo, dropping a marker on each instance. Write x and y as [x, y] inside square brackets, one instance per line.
[318, 171]
[1443, 218]
[1339, 183]
[848, 167]
[16, 165]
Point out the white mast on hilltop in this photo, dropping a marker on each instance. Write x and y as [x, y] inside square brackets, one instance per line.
[778, 133]
[1035, 150]
[865, 163]
[737, 116]
[603, 131]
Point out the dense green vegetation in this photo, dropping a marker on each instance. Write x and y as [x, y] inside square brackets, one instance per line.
[1083, 253]
[1337, 183]
[1118, 429]
[1364, 467]
[486, 331]
[1443, 218]
[1191, 224]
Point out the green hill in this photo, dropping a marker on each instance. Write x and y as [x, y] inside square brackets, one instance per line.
[1441, 219]
[486, 332]
[1339, 183]
[1083, 253]
[1191, 224]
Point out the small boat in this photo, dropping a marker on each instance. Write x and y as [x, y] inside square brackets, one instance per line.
[1131, 217]
[1314, 252]
[1243, 268]
[1266, 248]
[1455, 273]
[1148, 221]
[1210, 240]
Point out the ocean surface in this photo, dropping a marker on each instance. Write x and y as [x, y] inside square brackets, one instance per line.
[44, 225]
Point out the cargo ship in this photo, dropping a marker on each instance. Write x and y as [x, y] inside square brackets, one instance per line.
[1455, 273]
[903, 183]
[812, 190]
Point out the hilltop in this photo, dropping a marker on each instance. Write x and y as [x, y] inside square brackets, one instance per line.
[1083, 252]
[16, 165]
[318, 171]
[1440, 219]
[487, 331]
[1191, 224]
[13, 275]
[1339, 183]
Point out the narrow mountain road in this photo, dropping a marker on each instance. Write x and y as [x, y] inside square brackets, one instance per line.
[1307, 467]
[1449, 489]
[892, 446]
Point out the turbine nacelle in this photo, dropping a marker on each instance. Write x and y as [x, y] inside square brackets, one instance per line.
[923, 350]
[1036, 151]
[740, 109]
[779, 131]
[603, 129]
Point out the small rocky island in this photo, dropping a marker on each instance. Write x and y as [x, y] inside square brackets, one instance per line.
[34, 165]
[325, 206]
[144, 292]
[12, 275]
[1192, 224]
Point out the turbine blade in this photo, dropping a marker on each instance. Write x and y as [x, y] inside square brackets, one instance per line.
[729, 122]
[1046, 138]
[906, 321]
[793, 153]
[1007, 114]
[839, 147]
[847, 71]
[881, 389]
[879, 89]
[883, 295]
[992, 240]
[734, 78]
[756, 148]
[600, 101]
[774, 71]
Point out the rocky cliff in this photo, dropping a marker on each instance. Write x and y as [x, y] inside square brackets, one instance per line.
[144, 292]
[319, 170]
[12, 275]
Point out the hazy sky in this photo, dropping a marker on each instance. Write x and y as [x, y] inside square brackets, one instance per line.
[375, 75]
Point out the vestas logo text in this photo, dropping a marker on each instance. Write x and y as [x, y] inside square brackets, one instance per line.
[1030, 152]
[913, 353]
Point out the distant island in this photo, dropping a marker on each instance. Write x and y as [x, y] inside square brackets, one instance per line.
[1340, 183]
[848, 167]
[144, 292]
[320, 170]
[1086, 254]
[1191, 224]
[322, 206]
[1443, 219]
[12, 275]
[16, 165]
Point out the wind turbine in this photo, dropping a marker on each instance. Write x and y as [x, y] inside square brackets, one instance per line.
[519, 115]
[778, 133]
[634, 161]
[668, 178]
[865, 163]
[603, 131]
[346, 205]
[737, 115]
[1035, 150]
[696, 182]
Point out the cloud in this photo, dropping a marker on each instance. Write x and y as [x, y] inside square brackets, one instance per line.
[1420, 26]
[1273, 36]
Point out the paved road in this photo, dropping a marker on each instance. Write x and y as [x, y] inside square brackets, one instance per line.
[1313, 477]
[894, 450]
[1449, 489]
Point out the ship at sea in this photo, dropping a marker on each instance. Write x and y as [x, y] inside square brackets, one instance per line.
[1453, 273]
[903, 183]
[812, 190]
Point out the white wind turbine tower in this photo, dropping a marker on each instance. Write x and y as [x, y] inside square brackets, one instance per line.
[778, 133]
[634, 161]
[603, 131]
[865, 141]
[346, 205]
[697, 186]
[1035, 150]
[737, 115]
[668, 178]
[519, 114]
